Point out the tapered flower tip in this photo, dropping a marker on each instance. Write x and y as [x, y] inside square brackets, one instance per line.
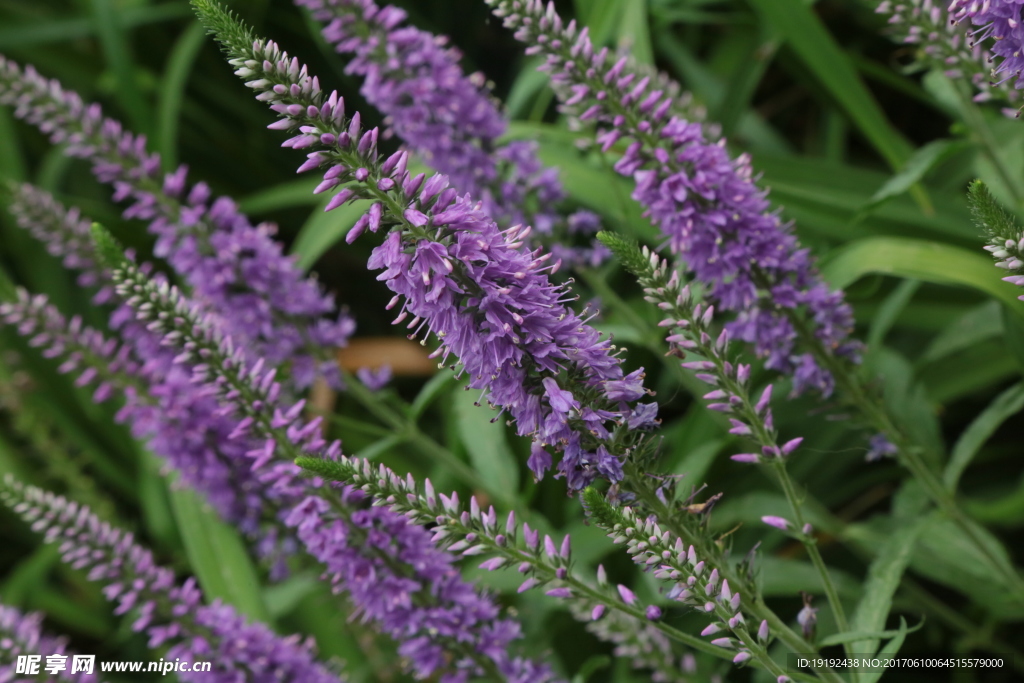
[107, 248]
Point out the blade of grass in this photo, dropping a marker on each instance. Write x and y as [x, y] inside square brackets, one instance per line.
[816, 47]
[919, 259]
[217, 555]
[172, 91]
[113, 35]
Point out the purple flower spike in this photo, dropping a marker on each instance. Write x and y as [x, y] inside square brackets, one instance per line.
[168, 613]
[21, 635]
[234, 268]
[705, 202]
[450, 120]
[392, 571]
[488, 301]
[947, 46]
[1001, 21]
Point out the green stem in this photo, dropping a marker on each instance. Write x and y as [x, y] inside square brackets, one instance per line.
[756, 606]
[909, 453]
[812, 551]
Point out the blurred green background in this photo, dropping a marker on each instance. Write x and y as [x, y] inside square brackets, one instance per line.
[867, 150]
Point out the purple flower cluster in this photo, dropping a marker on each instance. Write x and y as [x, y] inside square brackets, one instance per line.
[232, 267]
[450, 119]
[1001, 21]
[473, 530]
[946, 45]
[705, 202]
[63, 231]
[170, 614]
[180, 421]
[458, 276]
[22, 634]
[393, 573]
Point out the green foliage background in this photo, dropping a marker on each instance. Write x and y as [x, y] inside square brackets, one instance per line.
[869, 154]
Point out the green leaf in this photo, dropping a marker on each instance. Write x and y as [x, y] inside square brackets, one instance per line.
[218, 555]
[784, 577]
[592, 665]
[12, 164]
[114, 38]
[434, 387]
[921, 260]
[890, 649]
[485, 443]
[155, 502]
[852, 636]
[883, 579]
[915, 169]
[281, 598]
[945, 554]
[634, 30]
[321, 231]
[283, 196]
[384, 445]
[67, 30]
[906, 398]
[890, 310]
[172, 91]
[977, 325]
[1007, 404]
[819, 52]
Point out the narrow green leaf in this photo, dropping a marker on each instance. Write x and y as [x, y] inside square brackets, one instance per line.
[977, 325]
[890, 649]
[919, 259]
[322, 230]
[785, 577]
[634, 30]
[592, 665]
[12, 164]
[906, 398]
[155, 502]
[66, 30]
[485, 443]
[281, 598]
[816, 47]
[172, 91]
[283, 196]
[377, 448]
[852, 636]
[1006, 405]
[434, 387]
[884, 576]
[218, 555]
[915, 169]
[890, 310]
[113, 37]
